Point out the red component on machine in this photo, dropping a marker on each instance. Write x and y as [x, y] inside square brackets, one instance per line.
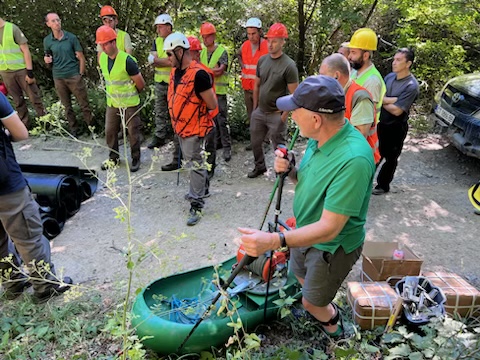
[3, 89]
[262, 264]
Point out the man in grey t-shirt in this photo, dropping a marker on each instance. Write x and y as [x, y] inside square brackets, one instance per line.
[277, 75]
[402, 90]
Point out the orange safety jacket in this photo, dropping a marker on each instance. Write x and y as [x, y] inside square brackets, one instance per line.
[249, 70]
[354, 94]
[214, 112]
[188, 112]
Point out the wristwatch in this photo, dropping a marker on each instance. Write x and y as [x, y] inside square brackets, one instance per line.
[283, 242]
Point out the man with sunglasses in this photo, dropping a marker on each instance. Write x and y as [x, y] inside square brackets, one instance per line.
[190, 98]
[110, 18]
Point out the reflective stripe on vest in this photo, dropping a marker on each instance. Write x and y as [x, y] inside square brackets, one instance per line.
[356, 93]
[221, 82]
[11, 56]
[361, 80]
[161, 73]
[249, 70]
[121, 40]
[121, 90]
[188, 112]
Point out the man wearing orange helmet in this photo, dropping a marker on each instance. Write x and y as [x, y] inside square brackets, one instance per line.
[215, 56]
[248, 55]
[64, 54]
[276, 76]
[110, 18]
[16, 69]
[123, 82]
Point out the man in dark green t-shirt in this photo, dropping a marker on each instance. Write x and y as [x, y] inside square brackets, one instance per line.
[333, 188]
[64, 54]
[277, 75]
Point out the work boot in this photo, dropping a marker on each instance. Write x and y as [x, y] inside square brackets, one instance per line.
[227, 154]
[256, 172]
[156, 143]
[52, 291]
[170, 167]
[135, 165]
[16, 290]
[194, 217]
[110, 164]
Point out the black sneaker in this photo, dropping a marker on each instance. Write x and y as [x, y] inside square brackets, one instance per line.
[194, 217]
[379, 191]
[52, 291]
[170, 167]
[256, 172]
[135, 165]
[16, 290]
[156, 143]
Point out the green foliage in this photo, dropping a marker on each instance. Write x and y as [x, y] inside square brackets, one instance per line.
[38, 332]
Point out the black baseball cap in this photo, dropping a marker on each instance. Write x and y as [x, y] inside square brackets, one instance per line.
[322, 94]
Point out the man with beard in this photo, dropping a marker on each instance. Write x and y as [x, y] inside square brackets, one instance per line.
[362, 45]
[190, 97]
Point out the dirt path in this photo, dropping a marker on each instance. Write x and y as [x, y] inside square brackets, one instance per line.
[427, 209]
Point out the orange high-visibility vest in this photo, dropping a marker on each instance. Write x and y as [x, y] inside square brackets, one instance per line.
[249, 70]
[354, 94]
[188, 112]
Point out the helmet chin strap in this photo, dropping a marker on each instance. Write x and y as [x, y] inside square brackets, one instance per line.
[180, 61]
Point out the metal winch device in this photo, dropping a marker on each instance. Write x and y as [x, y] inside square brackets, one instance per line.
[421, 300]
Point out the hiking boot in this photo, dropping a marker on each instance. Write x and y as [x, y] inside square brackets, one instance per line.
[52, 291]
[256, 172]
[227, 155]
[170, 167]
[110, 164]
[135, 165]
[156, 143]
[194, 217]
[16, 290]
[379, 191]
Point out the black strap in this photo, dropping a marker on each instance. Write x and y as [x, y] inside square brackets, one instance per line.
[334, 319]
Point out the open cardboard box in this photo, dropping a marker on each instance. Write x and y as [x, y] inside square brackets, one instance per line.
[378, 263]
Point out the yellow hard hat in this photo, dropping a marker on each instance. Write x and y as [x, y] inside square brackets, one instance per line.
[364, 39]
[474, 195]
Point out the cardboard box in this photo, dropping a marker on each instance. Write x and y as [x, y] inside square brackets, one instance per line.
[371, 303]
[462, 298]
[378, 263]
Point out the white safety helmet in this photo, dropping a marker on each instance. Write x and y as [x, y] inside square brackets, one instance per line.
[254, 22]
[163, 19]
[174, 40]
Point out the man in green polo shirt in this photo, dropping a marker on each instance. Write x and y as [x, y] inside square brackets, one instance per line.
[333, 188]
[64, 54]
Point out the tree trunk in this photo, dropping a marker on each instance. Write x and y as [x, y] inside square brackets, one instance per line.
[301, 38]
